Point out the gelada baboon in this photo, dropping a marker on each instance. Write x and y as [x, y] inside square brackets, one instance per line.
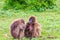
[33, 29]
[17, 29]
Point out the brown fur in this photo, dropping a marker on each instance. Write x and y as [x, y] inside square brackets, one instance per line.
[33, 29]
[17, 28]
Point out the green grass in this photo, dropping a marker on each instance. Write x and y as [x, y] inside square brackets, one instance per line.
[49, 20]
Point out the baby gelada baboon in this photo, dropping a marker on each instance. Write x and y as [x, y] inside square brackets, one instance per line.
[17, 29]
[33, 29]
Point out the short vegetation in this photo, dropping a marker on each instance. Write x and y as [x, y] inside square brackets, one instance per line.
[35, 5]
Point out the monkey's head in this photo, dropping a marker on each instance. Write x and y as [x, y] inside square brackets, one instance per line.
[22, 27]
[32, 19]
[21, 24]
[22, 21]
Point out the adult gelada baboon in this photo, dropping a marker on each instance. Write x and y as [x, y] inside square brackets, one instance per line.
[17, 29]
[33, 29]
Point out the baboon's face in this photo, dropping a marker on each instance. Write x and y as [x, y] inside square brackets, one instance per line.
[32, 20]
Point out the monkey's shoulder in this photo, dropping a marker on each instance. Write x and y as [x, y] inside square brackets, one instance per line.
[36, 24]
[27, 23]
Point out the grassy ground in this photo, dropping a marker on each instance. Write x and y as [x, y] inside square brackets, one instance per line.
[49, 20]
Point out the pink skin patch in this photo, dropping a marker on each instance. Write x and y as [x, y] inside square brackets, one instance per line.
[30, 28]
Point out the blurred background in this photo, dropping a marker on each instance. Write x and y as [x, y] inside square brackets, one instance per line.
[46, 11]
